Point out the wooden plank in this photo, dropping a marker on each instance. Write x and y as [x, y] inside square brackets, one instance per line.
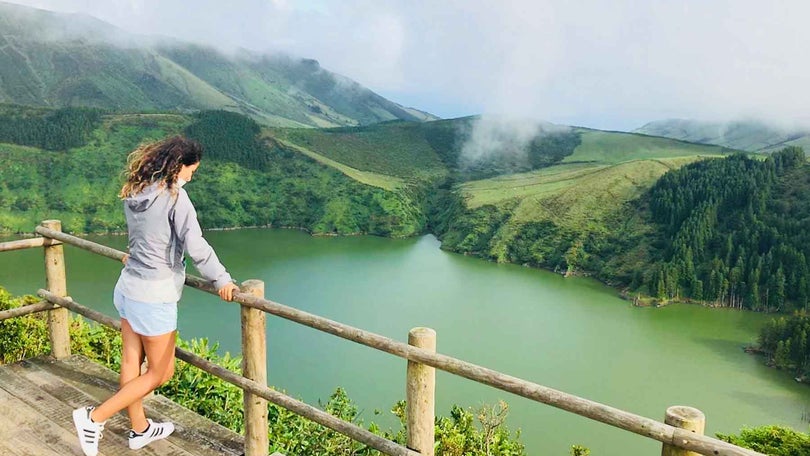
[117, 425]
[31, 433]
[47, 404]
[195, 433]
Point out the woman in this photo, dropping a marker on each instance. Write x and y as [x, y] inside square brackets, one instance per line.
[162, 225]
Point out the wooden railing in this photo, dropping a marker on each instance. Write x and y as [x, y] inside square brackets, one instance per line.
[681, 433]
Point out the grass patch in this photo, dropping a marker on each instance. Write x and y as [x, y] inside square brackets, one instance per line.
[389, 183]
[615, 147]
[398, 150]
[576, 195]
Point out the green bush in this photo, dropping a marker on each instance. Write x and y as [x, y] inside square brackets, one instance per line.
[771, 440]
[21, 337]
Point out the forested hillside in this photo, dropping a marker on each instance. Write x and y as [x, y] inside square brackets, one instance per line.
[244, 181]
[47, 129]
[734, 232]
[566, 217]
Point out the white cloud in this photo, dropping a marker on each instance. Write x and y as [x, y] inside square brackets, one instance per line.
[603, 64]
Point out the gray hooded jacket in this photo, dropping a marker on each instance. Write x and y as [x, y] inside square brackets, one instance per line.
[163, 226]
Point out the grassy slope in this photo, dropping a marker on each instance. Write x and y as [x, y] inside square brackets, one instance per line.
[188, 83]
[803, 142]
[392, 149]
[582, 194]
[588, 193]
[589, 190]
[383, 181]
[615, 147]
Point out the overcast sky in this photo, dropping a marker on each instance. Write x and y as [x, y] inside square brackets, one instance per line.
[605, 64]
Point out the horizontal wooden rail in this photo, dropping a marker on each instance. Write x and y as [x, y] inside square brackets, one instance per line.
[98, 249]
[68, 303]
[27, 244]
[590, 409]
[319, 416]
[25, 310]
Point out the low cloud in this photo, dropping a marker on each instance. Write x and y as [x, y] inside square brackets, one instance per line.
[614, 65]
[501, 139]
[489, 136]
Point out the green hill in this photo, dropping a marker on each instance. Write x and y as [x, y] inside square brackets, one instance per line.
[750, 136]
[612, 147]
[397, 149]
[730, 231]
[55, 59]
[245, 181]
[548, 216]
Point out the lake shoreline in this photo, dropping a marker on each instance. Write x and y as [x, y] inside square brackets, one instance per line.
[639, 300]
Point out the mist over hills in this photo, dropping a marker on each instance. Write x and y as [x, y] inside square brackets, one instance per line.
[751, 136]
[57, 59]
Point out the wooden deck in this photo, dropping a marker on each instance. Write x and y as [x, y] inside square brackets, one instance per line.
[38, 395]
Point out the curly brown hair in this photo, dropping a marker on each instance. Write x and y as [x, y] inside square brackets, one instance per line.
[159, 161]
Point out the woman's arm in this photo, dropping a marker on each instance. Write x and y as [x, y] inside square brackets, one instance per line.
[201, 253]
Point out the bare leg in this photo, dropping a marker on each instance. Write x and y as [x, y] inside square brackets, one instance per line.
[160, 354]
[131, 359]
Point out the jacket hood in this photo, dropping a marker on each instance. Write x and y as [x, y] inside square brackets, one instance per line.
[143, 200]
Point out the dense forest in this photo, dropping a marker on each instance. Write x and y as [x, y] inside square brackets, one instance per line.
[734, 232]
[784, 341]
[59, 129]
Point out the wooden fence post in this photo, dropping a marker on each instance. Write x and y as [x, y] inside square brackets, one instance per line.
[690, 420]
[254, 367]
[56, 283]
[420, 395]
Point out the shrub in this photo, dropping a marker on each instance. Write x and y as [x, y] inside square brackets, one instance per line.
[772, 440]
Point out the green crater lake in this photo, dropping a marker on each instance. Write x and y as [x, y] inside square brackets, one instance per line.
[571, 334]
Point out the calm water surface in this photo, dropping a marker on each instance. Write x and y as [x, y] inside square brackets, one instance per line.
[571, 334]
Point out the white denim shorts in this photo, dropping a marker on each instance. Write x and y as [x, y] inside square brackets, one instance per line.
[146, 318]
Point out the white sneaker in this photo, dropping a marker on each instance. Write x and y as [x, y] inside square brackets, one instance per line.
[89, 432]
[155, 431]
